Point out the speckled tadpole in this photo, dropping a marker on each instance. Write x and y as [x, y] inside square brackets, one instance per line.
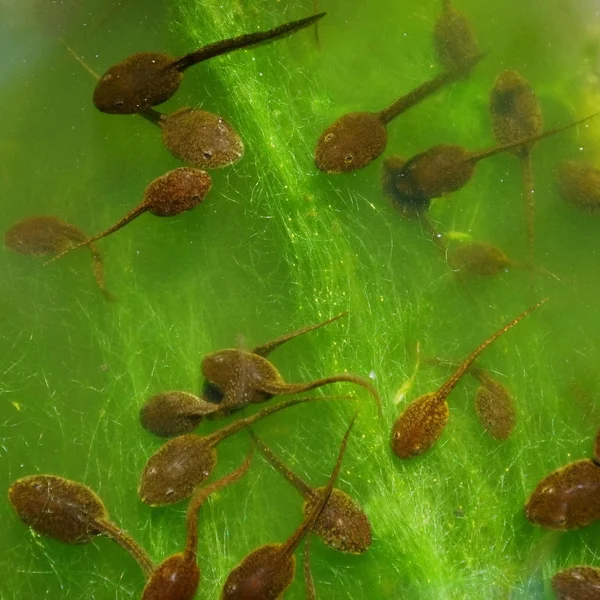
[357, 139]
[577, 583]
[146, 79]
[177, 467]
[342, 524]
[177, 577]
[579, 184]
[69, 512]
[421, 424]
[568, 498]
[51, 236]
[235, 378]
[169, 195]
[268, 571]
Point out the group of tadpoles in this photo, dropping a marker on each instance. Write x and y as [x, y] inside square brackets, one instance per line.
[235, 378]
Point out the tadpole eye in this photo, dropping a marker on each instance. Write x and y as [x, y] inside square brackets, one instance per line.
[348, 158]
[119, 103]
[328, 137]
[207, 154]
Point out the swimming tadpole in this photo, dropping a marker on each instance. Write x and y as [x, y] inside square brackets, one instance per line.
[169, 195]
[46, 235]
[579, 184]
[268, 571]
[577, 583]
[422, 422]
[146, 79]
[356, 139]
[342, 524]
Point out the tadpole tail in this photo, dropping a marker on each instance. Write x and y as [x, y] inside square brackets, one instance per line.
[427, 89]
[292, 542]
[528, 193]
[98, 270]
[214, 438]
[266, 349]
[199, 498]
[316, 29]
[126, 542]
[477, 156]
[136, 212]
[443, 392]
[309, 583]
[247, 40]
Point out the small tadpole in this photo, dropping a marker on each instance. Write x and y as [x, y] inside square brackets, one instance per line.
[342, 524]
[268, 571]
[69, 512]
[421, 424]
[494, 406]
[569, 497]
[169, 195]
[446, 168]
[244, 377]
[177, 577]
[577, 583]
[147, 79]
[173, 472]
[46, 235]
[356, 139]
[579, 184]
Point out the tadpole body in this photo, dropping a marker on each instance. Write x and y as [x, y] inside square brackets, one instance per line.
[49, 236]
[342, 524]
[579, 184]
[494, 406]
[356, 139]
[147, 79]
[169, 195]
[422, 422]
[177, 577]
[268, 571]
[477, 259]
[69, 512]
[577, 583]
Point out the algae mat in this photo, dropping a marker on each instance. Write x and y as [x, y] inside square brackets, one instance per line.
[277, 245]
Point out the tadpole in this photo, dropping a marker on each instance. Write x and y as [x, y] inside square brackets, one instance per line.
[235, 378]
[177, 577]
[494, 406]
[446, 168]
[579, 184]
[478, 259]
[174, 413]
[51, 236]
[453, 37]
[577, 583]
[184, 462]
[358, 138]
[342, 524]
[69, 512]
[421, 424]
[146, 79]
[517, 115]
[569, 497]
[268, 571]
[169, 195]
[309, 583]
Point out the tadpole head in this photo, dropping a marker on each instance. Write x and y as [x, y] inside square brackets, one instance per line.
[177, 191]
[177, 577]
[351, 143]
[172, 473]
[222, 367]
[139, 82]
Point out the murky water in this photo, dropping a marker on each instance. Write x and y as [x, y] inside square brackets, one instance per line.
[277, 245]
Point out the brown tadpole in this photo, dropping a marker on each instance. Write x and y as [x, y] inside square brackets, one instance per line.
[577, 583]
[173, 472]
[494, 406]
[342, 524]
[236, 377]
[174, 413]
[46, 235]
[169, 195]
[421, 424]
[268, 571]
[447, 168]
[478, 259]
[356, 139]
[177, 577]
[516, 115]
[69, 512]
[579, 184]
[569, 497]
[453, 38]
[146, 79]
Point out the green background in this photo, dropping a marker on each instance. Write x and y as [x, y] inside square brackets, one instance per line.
[275, 246]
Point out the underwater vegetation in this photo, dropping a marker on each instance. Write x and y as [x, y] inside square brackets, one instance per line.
[383, 233]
